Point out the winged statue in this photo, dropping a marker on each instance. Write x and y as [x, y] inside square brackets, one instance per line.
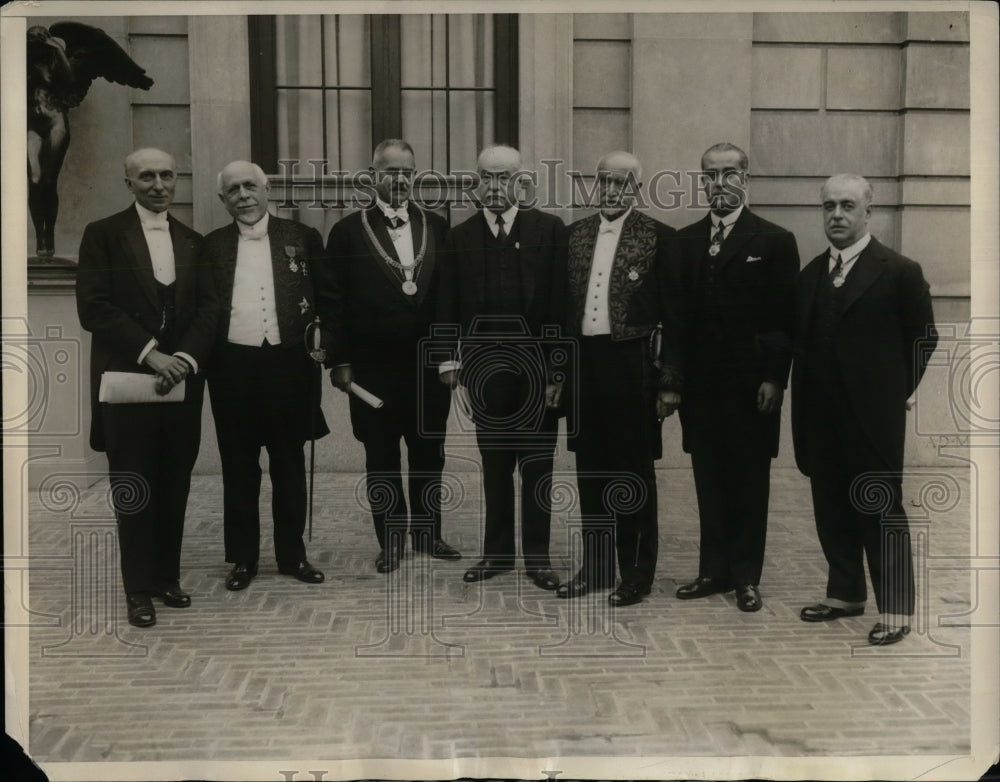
[62, 62]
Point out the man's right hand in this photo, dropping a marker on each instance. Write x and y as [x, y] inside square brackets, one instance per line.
[342, 377]
[449, 378]
[553, 395]
[169, 368]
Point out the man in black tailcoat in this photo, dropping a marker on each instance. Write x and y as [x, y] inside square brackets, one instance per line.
[151, 308]
[622, 301]
[263, 386]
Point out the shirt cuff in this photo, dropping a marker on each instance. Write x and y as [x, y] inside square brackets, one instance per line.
[449, 366]
[146, 350]
[189, 358]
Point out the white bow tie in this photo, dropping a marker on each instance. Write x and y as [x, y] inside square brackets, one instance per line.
[156, 225]
[607, 228]
[396, 213]
[253, 233]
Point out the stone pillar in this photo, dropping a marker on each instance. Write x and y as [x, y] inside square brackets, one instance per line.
[690, 88]
[220, 109]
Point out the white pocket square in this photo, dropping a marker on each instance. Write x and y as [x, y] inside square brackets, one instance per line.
[753, 259]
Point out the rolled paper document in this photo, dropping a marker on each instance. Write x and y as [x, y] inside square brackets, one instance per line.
[365, 396]
[461, 396]
[135, 388]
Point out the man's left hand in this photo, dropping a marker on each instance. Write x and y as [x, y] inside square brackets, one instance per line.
[769, 397]
[666, 403]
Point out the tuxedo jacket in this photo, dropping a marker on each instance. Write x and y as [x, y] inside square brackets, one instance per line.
[462, 291]
[296, 254]
[644, 290]
[882, 343]
[740, 311]
[361, 295]
[117, 301]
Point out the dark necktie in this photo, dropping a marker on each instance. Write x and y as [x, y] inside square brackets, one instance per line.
[501, 233]
[717, 237]
[838, 267]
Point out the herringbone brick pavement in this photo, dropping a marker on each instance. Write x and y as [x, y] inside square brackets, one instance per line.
[420, 665]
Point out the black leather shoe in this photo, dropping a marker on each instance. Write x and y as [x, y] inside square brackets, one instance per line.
[240, 576]
[484, 569]
[821, 612]
[628, 593]
[439, 550]
[703, 586]
[543, 578]
[304, 572]
[140, 610]
[577, 586]
[748, 598]
[387, 561]
[881, 635]
[174, 597]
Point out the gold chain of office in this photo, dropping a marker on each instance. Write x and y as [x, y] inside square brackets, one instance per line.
[406, 273]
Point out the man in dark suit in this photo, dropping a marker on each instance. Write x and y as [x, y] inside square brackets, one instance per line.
[378, 294]
[151, 309]
[864, 331]
[740, 271]
[497, 275]
[263, 387]
[623, 302]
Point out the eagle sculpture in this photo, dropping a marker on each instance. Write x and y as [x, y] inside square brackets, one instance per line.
[62, 61]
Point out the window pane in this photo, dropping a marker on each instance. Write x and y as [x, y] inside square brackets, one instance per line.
[353, 152]
[416, 50]
[424, 126]
[471, 126]
[298, 50]
[471, 44]
[348, 50]
[300, 126]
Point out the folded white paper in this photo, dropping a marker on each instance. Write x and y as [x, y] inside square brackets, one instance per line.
[135, 387]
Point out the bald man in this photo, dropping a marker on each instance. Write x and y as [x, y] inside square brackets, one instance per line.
[622, 301]
[264, 388]
[151, 309]
[864, 331]
[497, 277]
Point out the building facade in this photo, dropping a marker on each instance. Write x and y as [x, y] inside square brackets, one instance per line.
[883, 94]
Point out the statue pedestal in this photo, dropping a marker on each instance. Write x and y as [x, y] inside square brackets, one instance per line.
[50, 350]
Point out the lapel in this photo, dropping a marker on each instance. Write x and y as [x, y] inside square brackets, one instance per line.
[528, 230]
[142, 264]
[420, 223]
[812, 276]
[867, 269]
[474, 254]
[741, 233]
[581, 257]
[184, 260]
[227, 262]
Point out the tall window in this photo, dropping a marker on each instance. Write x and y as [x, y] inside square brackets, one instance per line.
[331, 87]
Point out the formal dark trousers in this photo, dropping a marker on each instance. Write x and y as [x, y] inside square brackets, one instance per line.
[858, 506]
[415, 411]
[515, 432]
[731, 462]
[257, 396]
[614, 460]
[151, 450]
